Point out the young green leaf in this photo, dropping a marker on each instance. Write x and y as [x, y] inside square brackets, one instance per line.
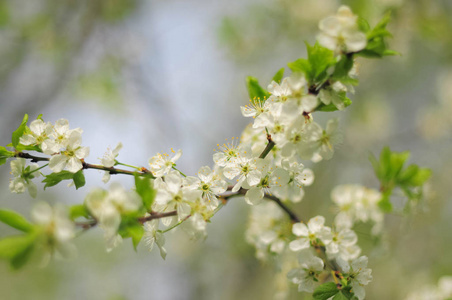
[145, 189]
[325, 291]
[4, 154]
[79, 179]
[15, 220]
[136, 233]
[343, 67]
[14, 245]
[19, 131]
[77, 211]
[22, 257]
[255, 91]
[55, 178]
[331, 107]
[342, 296]
[279, 75]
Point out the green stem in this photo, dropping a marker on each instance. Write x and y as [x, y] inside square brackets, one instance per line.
[126, 165]
[174, 168]
[38, 168]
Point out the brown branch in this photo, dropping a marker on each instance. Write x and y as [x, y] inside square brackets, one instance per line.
[111, 170]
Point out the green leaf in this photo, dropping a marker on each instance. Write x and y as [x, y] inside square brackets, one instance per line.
[343, 295]
[376, 45]
[340, 296]
[332, 107]
[343, 67]
[136, 233]
[55, 178]
[21, 258]
[421, 177]
[325, 291]
[77, 211]
[79, 179]
[320, 59]
[21, 147]
[13, 246]
[300, 65]
[385, 203]
[316, 66]
[255, 91]
[279, 75]
[4, 154]
[145, 189]
[19, 131]
[15, 220]
[363, 25]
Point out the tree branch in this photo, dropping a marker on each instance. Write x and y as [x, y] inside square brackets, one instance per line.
[111, 170]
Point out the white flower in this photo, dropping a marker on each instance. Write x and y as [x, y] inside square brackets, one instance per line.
[108, 206]
[260, 111]
[318, 141]
[195, 226]
[109, 158]
[341, 33]
[172, 196]
[299, 177]
[61, 135]
[343, 245]
[357, 203]
[309, 234]
[357, 273]
[153, 236]
[23, 176]
[267, 224]
[246, 169]
[40, 132]
[57, 229]
[228, 153]
[293, 136]
[208, 183]
[161, 164]
[269, 181]
[273, 241]
[307, 275]
[71, 157]
[280, 92]
[331, 95]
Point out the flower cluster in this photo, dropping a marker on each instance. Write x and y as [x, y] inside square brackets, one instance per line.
[59, 141]
[266, 163]
[357, 204]
[341, 33]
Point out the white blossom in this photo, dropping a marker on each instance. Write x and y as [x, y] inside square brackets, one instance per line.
[341, 33]
[57, 229]
[22, 177]
[109, 160]
[270, 180]
[39, 133]
[107, 207]
[71, 157]
[209, 184]
[357, 273]
[153, 236]
[161, 164]
[310, 233]
[306, 276]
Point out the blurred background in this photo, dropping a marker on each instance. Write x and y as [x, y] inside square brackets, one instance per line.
[159, 74]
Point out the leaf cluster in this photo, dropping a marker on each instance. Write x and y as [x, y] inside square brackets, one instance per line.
[331, 289]
[391, 172]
